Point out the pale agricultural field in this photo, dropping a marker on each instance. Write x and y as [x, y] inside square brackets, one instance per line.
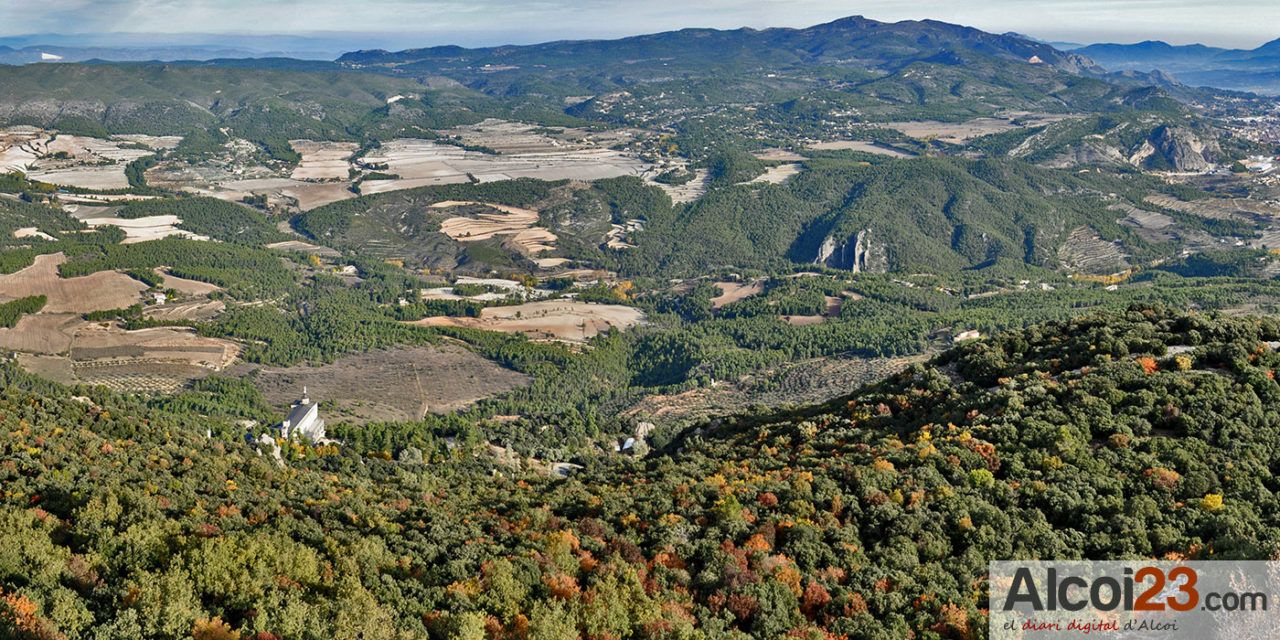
[186, 286]
[198, 311]
[309, 195]
[32, 232]
[689, 191]
[20, 147]
[75, 199]
[42, 333]
[178, 345]
[778, 174]
[779, 155]
[135, 229]
[87, 149]
[97, 291]
[516, 138]
[55, 368]
[860, 145]
[619, 233]
[422, 163]
[961, 132]
[84, 177]
[323, 160]
[153, 142]
[304, 247]
[563, 320]
[67, 349]
[94, 163]
[512, 223]
[735, 291]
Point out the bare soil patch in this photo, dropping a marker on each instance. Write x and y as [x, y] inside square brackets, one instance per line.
[32, 232]
[779, 174]
[735, 291]
[861, 145]
[44, 333]
[565, 320]
[514, 222]
[94, 292]
[185, 286]
[392, 385]
[310, 196]
[779, 155]
[194, 311]
[304, 247]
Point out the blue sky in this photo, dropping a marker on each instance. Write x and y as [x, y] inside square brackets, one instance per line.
[1237, 23]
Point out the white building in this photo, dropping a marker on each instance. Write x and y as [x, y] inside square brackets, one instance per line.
[303, 420]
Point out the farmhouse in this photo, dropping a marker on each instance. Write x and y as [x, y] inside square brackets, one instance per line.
[303, 421]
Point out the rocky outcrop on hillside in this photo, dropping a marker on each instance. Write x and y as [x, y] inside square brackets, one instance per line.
[1148, 142]
[1178, 149]
[857, 253]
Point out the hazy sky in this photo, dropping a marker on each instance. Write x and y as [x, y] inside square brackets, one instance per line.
[1238, 23]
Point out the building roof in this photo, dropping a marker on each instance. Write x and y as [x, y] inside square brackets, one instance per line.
[299, 413]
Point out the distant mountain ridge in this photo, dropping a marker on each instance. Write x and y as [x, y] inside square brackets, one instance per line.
[56, 53]
[852, 40]
[1256, 70]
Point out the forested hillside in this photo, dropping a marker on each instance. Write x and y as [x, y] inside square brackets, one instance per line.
[935, 215]
[1142, 433]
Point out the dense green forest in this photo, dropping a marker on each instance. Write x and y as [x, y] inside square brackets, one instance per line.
[1140, 432]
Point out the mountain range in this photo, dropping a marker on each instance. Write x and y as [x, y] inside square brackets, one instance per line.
[1256, 70]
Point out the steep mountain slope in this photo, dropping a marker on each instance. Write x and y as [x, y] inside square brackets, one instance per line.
[873, 516]
[924, 214]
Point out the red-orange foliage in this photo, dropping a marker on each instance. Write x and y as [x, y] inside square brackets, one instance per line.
[1148, 364]
[743, 606]
[757, 543]
[953, 622]
[20, 617]
[562, 586]
[1163, 478]
[815, 599]
[854, 605]
[214, 629]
